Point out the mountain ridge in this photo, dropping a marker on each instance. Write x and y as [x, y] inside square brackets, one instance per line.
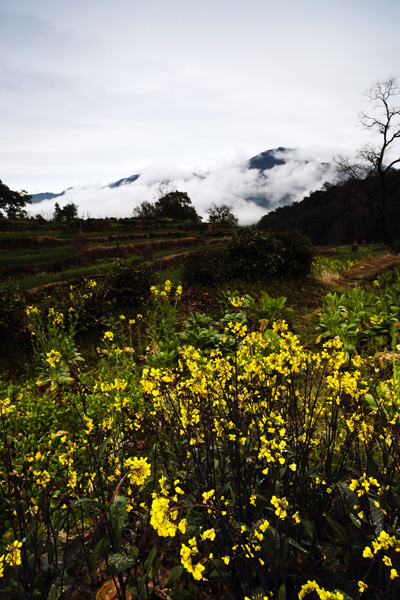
[252, 187]
[262, 162]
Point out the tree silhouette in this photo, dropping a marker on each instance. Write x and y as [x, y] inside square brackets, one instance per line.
[381, 154]
[12, 203]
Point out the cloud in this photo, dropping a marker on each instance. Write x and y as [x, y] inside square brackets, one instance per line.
[229, 183]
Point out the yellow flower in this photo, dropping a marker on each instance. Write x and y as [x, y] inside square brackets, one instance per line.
[367, 553]
[13, 557]
[197, 572]
[209, 534]
[159, 517]
[53, 358]
[362, 586]
[139, 470]
[207, 496]
[236, 302]
[182, 526]
[393, 574]
[280, 504]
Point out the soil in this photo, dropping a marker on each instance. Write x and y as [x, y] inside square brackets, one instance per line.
[368, 269]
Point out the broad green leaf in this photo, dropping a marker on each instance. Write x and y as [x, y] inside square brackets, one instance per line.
[337, 528]
[308, 526]
[282, 592]
[120, 562]
[174, 573]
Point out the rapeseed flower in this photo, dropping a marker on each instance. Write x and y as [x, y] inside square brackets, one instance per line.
[139, 470]
[13, 556]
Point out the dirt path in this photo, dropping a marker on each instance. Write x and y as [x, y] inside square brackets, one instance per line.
[369, 268]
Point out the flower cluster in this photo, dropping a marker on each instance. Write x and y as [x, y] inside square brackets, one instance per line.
[384, 541]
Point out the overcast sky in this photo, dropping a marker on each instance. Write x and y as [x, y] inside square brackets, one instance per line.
[95, 90]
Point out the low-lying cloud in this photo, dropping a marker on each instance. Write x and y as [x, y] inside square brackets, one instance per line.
[231, 183]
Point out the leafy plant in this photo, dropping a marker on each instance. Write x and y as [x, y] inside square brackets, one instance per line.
[162, 325]
[254, 254]
[267, 309]
[128, 283]
[209, 267]
[199, 333]
[297, 255]
[360, 317]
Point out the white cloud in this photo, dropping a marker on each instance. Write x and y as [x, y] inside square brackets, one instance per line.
[92, 90]
[228, 183]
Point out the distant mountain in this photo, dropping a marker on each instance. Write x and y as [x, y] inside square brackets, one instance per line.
[275, 158]
[36, 198]
[124, 181]
[276, 177]
[268, 159]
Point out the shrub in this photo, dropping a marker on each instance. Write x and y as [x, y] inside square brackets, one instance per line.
[298, 253]
[12, 318]
[206, 267]
[129, 282]
[254, 254]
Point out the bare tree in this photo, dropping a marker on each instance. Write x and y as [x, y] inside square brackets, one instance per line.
[379, 156]
[163, 189]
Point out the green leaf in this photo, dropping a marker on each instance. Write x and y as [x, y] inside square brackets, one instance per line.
[174, 573]
[120, 562]
[282, 592]
[133, 552]
[337, 528]
[308, 526]
[295, 544]
[376, 515]
[149, 560]
[355, 521]
[73, 551]
[95, 554]
[102, 448]
[53, 594]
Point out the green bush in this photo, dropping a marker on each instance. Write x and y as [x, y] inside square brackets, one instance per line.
[206, 267]
[13, 323]
[297, 255]
[254, 254]
[129, 282]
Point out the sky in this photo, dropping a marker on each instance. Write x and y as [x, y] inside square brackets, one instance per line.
[92, 91]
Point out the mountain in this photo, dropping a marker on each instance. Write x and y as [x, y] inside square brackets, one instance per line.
[37, 198]
[273, 178]
[268, 159]
[281, 178]
[124, 181]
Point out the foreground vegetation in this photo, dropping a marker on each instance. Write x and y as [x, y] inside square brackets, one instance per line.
[202, 455]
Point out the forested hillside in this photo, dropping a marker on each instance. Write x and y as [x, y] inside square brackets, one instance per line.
[338, 214]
